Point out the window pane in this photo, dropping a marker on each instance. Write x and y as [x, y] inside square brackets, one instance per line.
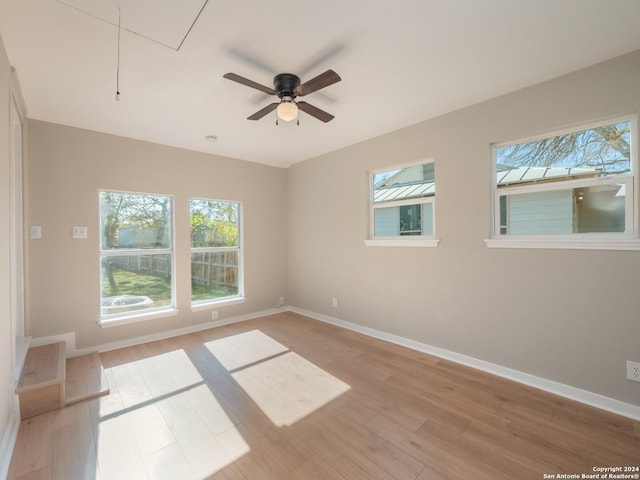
[134, 221]
[135, 282]
[214, 275]
[581, 210]
[503, 215]
[214, 223]
[404, 220]
[402, 201]
[412, 182]
[600, 209]
[595, 152]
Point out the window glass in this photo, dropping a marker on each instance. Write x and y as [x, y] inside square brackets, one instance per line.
[577, 182]
[403, 202]
[135, 282]
[134, 221]
[215, 250]
[416, 219]
[136, 256]
[598, 151]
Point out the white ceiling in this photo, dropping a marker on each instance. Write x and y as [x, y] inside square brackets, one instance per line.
[401, 62]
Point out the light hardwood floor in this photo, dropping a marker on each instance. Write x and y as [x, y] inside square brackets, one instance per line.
[287, 397]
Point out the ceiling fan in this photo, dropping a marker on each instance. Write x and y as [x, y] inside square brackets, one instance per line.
[287, 87]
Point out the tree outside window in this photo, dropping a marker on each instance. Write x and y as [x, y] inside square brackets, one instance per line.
[578, 182]
[136, 253]
[216, 272]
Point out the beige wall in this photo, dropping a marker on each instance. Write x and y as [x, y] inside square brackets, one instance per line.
[565, 315]
[5, 251]
[65, 169]
[571, 316]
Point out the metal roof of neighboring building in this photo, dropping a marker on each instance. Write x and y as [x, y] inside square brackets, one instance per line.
[536, 174]
[503, 177]
[400, 192]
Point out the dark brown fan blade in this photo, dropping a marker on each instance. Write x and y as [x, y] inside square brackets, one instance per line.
[323, 80]
[261, 113]
[315, 112]
[249, 83]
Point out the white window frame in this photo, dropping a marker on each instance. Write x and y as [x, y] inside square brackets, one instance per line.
[400, 240]
[231, 299]
[151, 313]
[627, 240]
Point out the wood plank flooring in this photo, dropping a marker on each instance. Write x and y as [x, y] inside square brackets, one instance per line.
[287, 397]
[85, 378]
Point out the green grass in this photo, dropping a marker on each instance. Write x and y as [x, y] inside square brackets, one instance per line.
[156, 288]
[207, 293]
[132, 283]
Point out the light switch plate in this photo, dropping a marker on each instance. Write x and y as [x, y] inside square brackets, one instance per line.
[79, 232]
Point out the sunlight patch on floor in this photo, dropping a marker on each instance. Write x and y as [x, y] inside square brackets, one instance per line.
[243, 349]
[285, 386]
[162, 421]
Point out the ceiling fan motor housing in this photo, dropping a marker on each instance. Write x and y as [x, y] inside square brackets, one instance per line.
[285, 84]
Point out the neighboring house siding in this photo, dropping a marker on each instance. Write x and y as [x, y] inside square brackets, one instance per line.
[541, 213]
[427, 219]
[387, 222]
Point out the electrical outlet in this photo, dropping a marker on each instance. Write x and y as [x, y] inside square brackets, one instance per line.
[334, 302]
[214, 315]
[633, 371]
[79, 232]
[281, 302]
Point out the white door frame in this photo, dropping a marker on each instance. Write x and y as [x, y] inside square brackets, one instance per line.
[16, 228]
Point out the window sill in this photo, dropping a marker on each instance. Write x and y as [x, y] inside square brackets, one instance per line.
[571, 244]
[135, 318]
[226, 302]
[402, 242]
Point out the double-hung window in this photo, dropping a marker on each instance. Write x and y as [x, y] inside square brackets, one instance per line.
[402, 206]
[216, 257]
[573, 189]
[136, 255]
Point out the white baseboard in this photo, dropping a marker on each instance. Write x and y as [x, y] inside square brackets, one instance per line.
[567, 391]
[7, 444]
[69, 338]
[177, 332]
[73, 351]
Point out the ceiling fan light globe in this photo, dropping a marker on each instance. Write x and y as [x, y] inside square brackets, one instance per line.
[287, 111]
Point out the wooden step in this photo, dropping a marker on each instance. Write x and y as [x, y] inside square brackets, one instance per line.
[42, 380]
[85, 378]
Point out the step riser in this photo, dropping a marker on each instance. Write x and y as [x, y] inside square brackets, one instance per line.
[42, 380]
[49, 381]
[85, 379]
[41, 400]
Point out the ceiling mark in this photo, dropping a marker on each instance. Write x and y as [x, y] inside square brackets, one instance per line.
[102, 18]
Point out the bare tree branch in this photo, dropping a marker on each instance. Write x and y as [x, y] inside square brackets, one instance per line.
[604, 148]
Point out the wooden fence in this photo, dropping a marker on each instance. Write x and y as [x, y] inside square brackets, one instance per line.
[208, 269]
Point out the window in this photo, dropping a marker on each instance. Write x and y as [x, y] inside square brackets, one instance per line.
[402, 206]
[136, 254]
[575, 189]
[216, 273]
